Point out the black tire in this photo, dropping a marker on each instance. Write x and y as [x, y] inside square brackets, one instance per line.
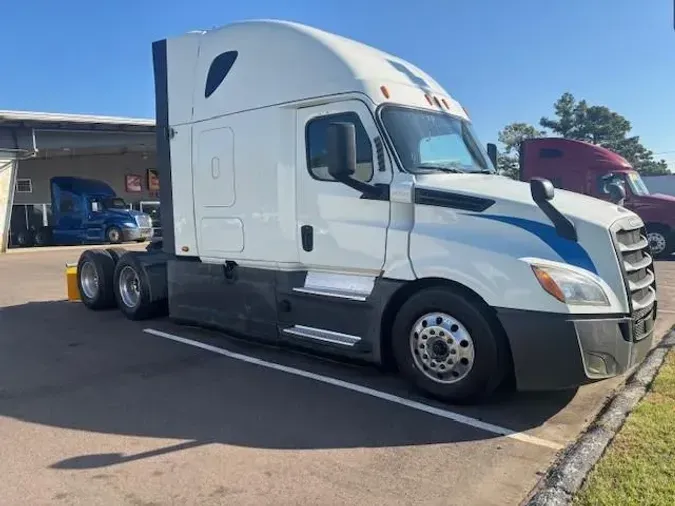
[143, 309]
[116, 253]
[43, 237]
[114, 235]
[490, 348]
[25, 239]
[661, 241]
[103, 265]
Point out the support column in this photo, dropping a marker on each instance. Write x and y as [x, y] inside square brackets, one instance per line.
[8, 169]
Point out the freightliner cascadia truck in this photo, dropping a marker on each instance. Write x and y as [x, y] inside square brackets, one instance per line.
[320, 193]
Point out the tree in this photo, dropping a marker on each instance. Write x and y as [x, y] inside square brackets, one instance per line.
[604, 127]
[507, 165]
[511, 136]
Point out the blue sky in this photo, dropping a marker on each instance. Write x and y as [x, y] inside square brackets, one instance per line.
[504, 60]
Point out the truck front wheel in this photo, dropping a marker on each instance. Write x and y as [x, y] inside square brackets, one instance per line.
[114, 235]
[660, 241]
[446, 344]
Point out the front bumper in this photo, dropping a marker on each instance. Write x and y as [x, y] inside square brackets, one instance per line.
[136, 234]
[558, 351]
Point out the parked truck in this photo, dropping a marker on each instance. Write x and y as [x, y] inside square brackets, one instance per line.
[320, 193]
[87, 211]
[152, 209]
[593, 170]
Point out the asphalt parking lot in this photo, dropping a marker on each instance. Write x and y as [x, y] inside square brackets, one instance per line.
[95, 409]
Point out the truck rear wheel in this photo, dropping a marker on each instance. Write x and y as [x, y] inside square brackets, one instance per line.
[447, 345]
[43, 236]
[25, 239]
[132, 288]
[116, 253]
[95, 270]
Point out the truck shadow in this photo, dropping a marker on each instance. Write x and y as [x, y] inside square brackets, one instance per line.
[65, 367]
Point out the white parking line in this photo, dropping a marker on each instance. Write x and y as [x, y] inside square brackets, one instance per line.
[455, 417]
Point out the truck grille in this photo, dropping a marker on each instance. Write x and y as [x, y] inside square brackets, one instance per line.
[639, 273]
[143, 221]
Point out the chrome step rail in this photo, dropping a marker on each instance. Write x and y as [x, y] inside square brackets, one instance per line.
[327, 336]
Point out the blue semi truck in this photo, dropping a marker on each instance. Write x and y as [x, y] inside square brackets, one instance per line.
[87, 211]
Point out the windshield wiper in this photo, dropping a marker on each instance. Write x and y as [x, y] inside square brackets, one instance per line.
[443, 168]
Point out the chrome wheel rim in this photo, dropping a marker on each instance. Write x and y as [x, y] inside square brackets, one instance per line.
[89, 280]
[114, 235]
[442, 348]
[657, 242]
[130, 287]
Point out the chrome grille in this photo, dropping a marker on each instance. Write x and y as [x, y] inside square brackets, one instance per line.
[638, 269]
[143, 221]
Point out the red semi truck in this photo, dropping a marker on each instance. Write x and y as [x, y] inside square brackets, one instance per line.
[596, 171]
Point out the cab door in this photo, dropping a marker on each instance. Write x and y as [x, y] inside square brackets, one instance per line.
[339, 228]
[341, 235]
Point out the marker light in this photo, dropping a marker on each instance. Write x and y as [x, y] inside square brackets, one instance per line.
[428, 99]
[384, 91]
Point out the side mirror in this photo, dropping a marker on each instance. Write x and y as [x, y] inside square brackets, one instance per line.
[341, 150]
[95, 207]
[541, 189]
[492, 153]
[617, 193]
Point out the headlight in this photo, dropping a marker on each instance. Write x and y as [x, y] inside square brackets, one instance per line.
[129, 224]
[569, 286]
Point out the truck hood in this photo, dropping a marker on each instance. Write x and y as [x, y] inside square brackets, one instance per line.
[656, 207]
[656, 198]
[125, 212]
[514, 197]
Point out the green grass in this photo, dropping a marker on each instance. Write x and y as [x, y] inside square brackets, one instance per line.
[638, 467]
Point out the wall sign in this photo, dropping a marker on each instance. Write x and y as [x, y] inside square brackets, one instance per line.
[133, 183]
[153, 180]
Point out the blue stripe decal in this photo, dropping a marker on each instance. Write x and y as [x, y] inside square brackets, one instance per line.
[570, 251]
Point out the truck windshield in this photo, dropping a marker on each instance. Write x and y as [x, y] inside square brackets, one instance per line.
[637, 185]
[150, 208]
[114, 203]
[428, 141]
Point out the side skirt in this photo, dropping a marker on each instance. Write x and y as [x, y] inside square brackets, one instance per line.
[336, 314]
[233, 299]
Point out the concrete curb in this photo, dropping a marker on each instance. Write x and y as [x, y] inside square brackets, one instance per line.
[565, 478]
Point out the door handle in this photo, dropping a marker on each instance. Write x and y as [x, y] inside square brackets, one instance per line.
[307, 234]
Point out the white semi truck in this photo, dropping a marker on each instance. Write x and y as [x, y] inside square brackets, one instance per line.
[324, 194]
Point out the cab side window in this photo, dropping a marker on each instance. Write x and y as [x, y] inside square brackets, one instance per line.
[315, 142]
[603, 183]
